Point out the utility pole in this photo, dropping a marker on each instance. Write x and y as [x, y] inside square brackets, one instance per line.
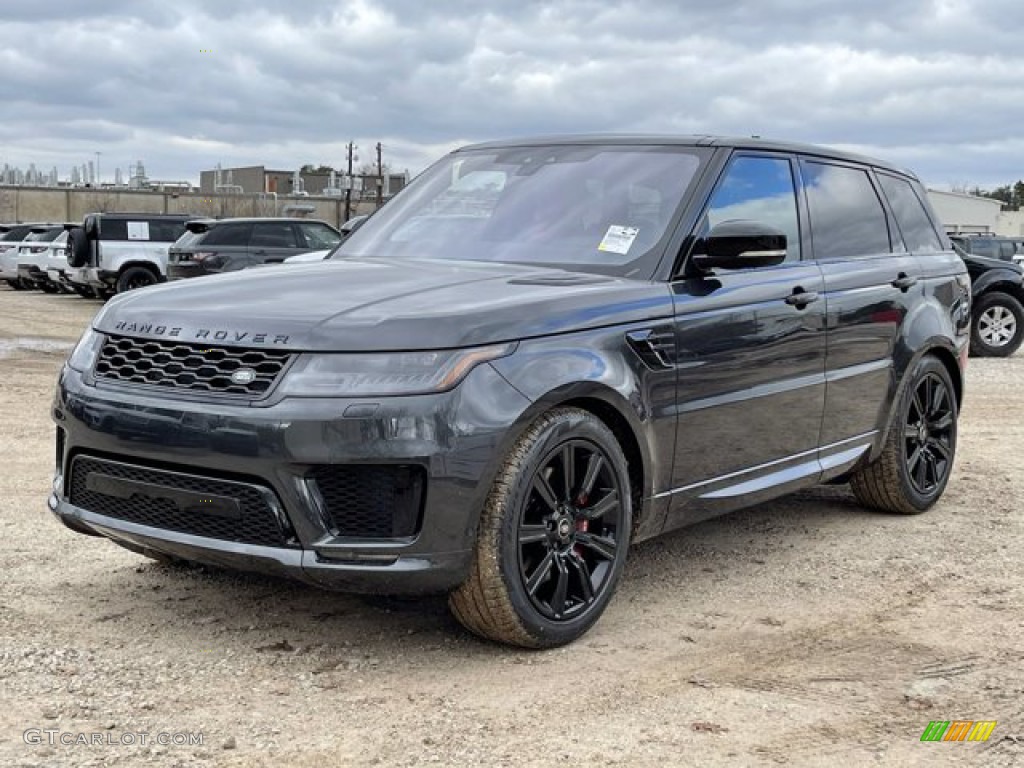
[380, 178]
[348, 186]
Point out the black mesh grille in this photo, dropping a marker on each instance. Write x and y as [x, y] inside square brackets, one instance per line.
[373, 502]
[255, 523]
[194, 367]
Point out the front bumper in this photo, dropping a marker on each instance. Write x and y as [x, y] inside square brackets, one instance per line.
[457, 439]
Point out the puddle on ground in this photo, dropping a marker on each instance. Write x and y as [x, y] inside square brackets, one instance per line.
[48, 346]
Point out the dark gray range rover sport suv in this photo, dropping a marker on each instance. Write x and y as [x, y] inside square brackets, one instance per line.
[538, 353]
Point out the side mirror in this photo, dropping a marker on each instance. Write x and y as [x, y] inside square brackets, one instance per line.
[741, 244]
[91, 225]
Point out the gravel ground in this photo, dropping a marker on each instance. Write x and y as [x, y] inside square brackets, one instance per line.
[801, 632]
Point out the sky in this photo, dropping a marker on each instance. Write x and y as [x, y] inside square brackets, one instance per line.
[936, 86]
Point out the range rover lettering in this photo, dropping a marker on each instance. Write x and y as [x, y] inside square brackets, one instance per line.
[537, 354]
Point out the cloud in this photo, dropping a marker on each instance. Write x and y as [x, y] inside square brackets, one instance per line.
[930, 84]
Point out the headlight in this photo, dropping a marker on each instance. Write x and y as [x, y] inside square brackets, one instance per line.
[385, 373]
[86, 351]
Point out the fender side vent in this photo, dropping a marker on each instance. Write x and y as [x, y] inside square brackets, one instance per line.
[655, 346]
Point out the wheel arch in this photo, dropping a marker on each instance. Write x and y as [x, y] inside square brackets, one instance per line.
[943, 351]
[148, 265]
[618, 415]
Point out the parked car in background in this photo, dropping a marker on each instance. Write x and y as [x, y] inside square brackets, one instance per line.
[11, 237]
[991, 246]
[55, 261]
[117, 252]
[228, 245]
[32, 256]
[997, 304]
[537, 353]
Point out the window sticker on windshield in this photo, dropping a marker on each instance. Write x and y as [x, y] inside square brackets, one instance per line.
[138, 230]
[618, 239]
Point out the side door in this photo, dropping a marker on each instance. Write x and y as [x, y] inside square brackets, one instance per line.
[272, 241]
[871, 282]
[225, 247]
[750, 353]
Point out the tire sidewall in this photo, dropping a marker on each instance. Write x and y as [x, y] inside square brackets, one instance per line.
[568, 426]
[987, 301]
[925, 366]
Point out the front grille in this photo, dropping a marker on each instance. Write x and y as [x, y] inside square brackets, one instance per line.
[157, 501]
[372, 502]
[193, 367]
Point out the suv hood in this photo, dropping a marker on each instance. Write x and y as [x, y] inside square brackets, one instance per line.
[378, 304]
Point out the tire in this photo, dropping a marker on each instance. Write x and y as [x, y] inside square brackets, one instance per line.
[135, 277]
[77, 248]
[997, 325]
[912, 472]
[83, 290]
[16, 284]
[547, 561]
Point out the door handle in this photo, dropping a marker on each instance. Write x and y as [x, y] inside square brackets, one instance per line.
[904, 282]
[800, 298]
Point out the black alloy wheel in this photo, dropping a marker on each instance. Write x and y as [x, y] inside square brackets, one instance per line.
[928, 434]
[911, 472]
[553, 534]
[568, 530]
[135, 277]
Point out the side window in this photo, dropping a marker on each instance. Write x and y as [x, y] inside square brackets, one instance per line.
[273, 234]
[113, 229]
[318, 236]
[847, 218]
[1006, 250]
[228, 234]
[165, 231]
[911, 217]
[759, 189]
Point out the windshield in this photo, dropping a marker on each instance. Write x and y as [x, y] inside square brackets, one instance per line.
[45, 236]
[600, 209]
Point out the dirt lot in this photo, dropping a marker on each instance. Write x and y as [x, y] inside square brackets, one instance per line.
[802, 632]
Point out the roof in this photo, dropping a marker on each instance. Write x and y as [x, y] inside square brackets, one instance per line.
[626, 139]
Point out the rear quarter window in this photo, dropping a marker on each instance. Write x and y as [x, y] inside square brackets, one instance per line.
[919, 233]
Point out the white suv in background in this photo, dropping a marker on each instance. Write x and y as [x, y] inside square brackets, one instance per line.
[116, 252]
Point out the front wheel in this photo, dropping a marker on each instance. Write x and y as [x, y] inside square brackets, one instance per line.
[553, 535]
[912, 472]
[997, 325]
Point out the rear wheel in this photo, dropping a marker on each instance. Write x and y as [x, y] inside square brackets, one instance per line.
[553, 535]
[912, 472]
[16, 284]
[997, 325]
[135, 277]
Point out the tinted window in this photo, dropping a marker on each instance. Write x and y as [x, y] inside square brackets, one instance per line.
[319, 236]
[273, 234]
[164, 231]
[847, 218]
[918, 233]
[227, 234]
[113, 229]
[1006, 250]
[760, 189]
[16, 233]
